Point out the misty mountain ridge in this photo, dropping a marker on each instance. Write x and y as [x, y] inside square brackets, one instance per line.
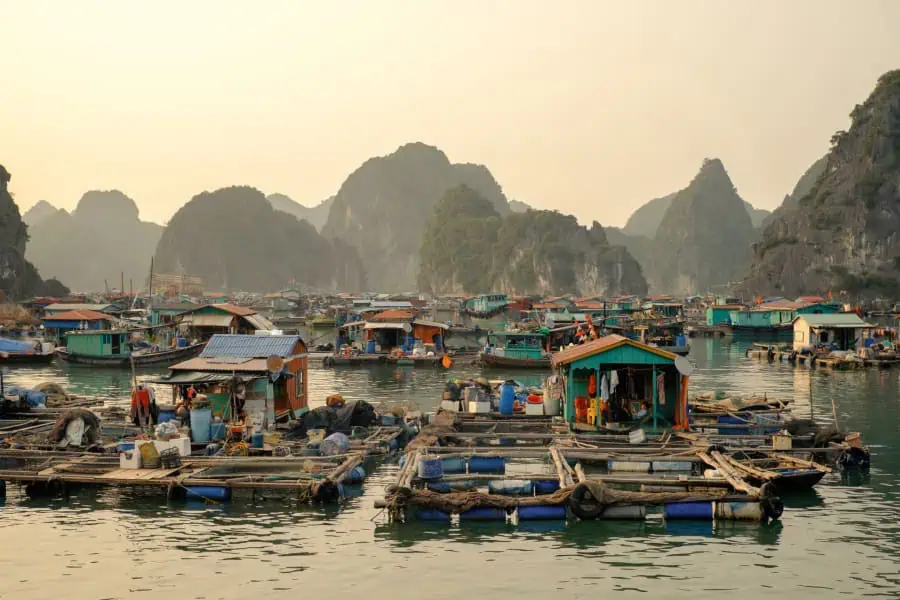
[382, 207]
[316, 215]
[37, 213]
[96, 243]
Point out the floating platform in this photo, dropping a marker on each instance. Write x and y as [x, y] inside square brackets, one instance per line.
[826, 362]
[365, 360]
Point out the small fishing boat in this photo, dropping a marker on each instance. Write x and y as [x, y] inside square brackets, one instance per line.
[516, 350]
[25, 351]
[113, 349]
[785, 472]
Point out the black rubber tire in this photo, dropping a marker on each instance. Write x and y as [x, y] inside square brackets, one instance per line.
[772, 505]
[585, 512]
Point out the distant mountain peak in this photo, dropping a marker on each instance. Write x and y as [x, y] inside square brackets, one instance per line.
[37, 213]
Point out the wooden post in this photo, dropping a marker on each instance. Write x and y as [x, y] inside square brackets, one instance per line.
[655, 400]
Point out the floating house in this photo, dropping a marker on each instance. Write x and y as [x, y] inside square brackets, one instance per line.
[393, 329]
[205, 321]
[115, 348]
[58, 324]
[720, 314]
[845, 331]
[776, 316]
[169, 314]
[486, 305]
[260, 374]
[63, 307]
[616, 382]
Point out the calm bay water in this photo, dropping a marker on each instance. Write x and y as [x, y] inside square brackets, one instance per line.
[841, 540]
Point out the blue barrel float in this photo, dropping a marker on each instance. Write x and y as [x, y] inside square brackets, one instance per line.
[697, 511]
[487, 464]
[208, 492]
[454, 465]
[545, 487]
[431, 515]
[511, 487]
[200, 423]
[507, 399]
[542, 512]
[370, 347]
[483, 514]
[356, 475]
[166, 415]
[430, 468]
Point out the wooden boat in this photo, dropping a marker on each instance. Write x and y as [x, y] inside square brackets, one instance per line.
[516, 350]
[25, 352]
[112, 349]
[786, 472]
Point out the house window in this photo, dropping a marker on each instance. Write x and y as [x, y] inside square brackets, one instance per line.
[799, 336]
[823, 337]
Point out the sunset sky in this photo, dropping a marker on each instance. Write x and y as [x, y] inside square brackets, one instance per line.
[585, 106]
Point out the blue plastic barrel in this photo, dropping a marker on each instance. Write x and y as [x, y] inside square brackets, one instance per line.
[545, 487]
[335, 444]
[431, 514]
[181, 342]
[370, 347]
[217, 431]
[430, 468]
[454, 465]
[483, 514]
[507, 399]
[440, 487]
[438, 343]
[388, 420]
[166, 415]
[698, 511]
[511, 487]
[356, 475]
[200, 421]
[257, 440]
[487, 464]
[680, 341]
[208, 492]
[542, 513]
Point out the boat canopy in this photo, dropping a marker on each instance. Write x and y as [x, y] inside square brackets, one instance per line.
[198, 377]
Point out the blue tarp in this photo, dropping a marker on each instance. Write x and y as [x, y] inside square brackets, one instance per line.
[8, 345]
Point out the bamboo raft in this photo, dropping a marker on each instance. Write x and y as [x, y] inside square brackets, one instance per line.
[823, 361]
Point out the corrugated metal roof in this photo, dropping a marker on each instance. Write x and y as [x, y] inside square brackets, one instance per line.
[600, 345]
[425, 323]
[384, 304]
[254, 365]
[386, 325]
[62, 306]
[207, 320]
[250, 346]
[194, 377]
[79, 315]
[839, 320]
[393, 315]
[259, 322]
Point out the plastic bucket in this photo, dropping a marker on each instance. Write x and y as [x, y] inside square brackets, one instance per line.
[699, 511]
[430, 468]
[166, 416]
[200, 424]
[487, 464]
[542, 513]
[217, 431]
[507, 399]
[257, 440]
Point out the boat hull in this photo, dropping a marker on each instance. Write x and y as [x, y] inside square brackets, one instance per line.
[152, 359]
[27, 359]
[503, 362]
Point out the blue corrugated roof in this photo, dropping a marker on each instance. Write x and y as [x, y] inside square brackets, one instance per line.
[249, 346]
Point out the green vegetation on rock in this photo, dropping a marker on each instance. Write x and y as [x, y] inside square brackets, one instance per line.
[235, 240]
[843, 230]
[383, 206]
[468, 247]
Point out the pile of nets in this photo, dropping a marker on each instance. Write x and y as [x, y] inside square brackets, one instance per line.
[76, 427]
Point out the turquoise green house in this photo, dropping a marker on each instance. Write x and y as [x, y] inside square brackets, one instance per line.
[99, 344]
[527, 346]
[779, 314]
[658, 379]
[720, 314]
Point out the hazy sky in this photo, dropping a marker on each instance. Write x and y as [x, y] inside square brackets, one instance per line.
[586, 106]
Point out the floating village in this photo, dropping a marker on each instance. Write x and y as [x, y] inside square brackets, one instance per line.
[616, 431]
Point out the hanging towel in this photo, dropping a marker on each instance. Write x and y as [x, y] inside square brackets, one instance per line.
[592, 386]
[613, 381]
[604, 387]
[661, 388]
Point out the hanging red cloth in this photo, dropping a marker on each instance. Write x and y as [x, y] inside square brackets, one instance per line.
[592, 386]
